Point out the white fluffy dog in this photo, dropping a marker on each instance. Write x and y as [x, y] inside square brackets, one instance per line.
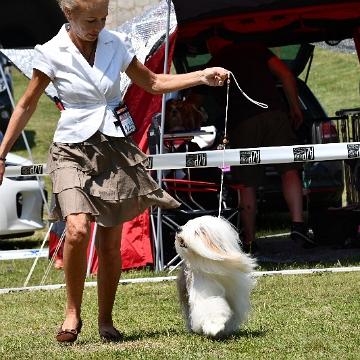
[215, 280]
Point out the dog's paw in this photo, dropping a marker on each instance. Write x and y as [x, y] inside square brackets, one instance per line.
[213, 328]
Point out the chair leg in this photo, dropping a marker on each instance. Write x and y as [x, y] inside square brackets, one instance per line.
[176, 266]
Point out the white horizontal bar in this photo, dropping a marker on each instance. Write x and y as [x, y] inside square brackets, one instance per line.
[26, 170]
[233, 157]
[306, 271]
[23, 254]
[87, 284]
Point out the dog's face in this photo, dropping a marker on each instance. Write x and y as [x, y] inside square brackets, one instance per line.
[173, 117]
[181, 115]
[205, 234]
[209, 240]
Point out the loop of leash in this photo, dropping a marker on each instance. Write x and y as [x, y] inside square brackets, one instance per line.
[225, 139]
[258, 103]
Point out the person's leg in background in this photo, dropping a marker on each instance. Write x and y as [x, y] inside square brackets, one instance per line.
[280, 133]
[293, 194]
[292, 191]
[247, 208]
[247, 134]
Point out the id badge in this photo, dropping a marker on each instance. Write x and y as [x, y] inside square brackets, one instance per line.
[124, 120]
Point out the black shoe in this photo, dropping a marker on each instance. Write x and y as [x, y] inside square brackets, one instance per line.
[300, 235]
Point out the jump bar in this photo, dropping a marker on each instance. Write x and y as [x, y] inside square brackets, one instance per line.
[233, 157]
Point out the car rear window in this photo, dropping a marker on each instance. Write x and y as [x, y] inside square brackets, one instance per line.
[286, 53]
[289, 54]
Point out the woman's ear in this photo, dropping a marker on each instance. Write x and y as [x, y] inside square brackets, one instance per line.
[67, 13]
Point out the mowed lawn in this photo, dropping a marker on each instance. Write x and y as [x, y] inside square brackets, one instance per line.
[293, 317]
[334, 78]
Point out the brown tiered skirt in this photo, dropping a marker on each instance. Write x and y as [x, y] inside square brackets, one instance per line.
[105, 177]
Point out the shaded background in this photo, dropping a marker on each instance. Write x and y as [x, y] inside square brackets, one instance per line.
[25, 23]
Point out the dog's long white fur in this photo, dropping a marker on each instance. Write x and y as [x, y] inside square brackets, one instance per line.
[215, 281]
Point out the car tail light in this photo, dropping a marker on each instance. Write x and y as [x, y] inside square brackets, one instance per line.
[19, 204]
[329, 133]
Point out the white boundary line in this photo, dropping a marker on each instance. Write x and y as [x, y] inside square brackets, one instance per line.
[23, 254]
[307, 271]
[87, 284]
[172, 278]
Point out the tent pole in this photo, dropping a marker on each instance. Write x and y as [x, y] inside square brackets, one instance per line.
[37, 257]
[92, 250]
[160, 256]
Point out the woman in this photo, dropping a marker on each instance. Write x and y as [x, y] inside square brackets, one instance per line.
[97, 173]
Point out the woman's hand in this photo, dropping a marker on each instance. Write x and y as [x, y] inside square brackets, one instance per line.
[215, 76]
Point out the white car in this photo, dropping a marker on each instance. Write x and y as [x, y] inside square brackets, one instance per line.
[21, 202]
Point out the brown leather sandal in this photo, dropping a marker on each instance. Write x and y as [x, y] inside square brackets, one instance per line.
[68, 335]
[108, 336]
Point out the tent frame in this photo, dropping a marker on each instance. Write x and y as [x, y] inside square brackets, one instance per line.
[159, 248]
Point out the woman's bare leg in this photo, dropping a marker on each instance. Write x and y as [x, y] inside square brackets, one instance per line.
[108, 242]
[76, 241]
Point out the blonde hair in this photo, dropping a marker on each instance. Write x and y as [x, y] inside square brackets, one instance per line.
[67, 4]
[72, 5]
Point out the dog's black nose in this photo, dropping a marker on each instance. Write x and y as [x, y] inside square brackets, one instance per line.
[182, 242]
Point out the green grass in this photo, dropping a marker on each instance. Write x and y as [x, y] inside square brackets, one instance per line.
[334, 79]
[293, 317]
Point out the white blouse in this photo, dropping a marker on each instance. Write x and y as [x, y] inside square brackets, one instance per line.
[89, 94]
